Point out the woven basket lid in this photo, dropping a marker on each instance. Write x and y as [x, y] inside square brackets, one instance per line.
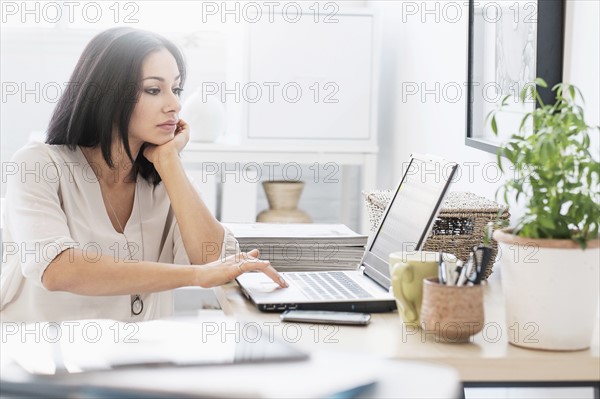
[454, 201]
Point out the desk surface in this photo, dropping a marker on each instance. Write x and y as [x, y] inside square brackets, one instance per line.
[267, 380]
[488, 357]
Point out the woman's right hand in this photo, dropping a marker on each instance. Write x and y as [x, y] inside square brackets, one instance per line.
[224, 270]
[173, 147]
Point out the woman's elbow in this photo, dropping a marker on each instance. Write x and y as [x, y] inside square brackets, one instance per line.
[54, 277]
[50, 280]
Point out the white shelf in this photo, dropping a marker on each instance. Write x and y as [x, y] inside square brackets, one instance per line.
[279, 147]
[220, 153]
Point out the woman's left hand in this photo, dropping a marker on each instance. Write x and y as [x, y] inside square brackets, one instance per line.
[154, 153]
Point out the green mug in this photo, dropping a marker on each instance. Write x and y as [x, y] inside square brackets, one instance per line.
[408, 270]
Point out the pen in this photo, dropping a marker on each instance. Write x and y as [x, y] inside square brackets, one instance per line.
[483, 255]
[462, 277]
[470, 266]
[444, 273]
[458, 270]
[450, 274]
[441, 277]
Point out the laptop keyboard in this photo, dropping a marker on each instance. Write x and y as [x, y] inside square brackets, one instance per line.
[328, 285]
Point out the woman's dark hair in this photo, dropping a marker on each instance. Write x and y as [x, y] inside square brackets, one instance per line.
[103, 91]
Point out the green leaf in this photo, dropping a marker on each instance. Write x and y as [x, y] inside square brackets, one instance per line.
[540, 82]
[572, 92]
[526, 89]
[552, 172]
[499, 159]
[586, 141]
[580, 94]
[523, 121]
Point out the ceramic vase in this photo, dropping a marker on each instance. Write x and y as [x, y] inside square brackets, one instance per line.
[283, 197]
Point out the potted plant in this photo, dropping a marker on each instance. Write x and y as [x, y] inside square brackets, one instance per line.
[550, 258]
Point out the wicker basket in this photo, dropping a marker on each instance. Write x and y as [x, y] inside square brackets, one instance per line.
[459, 227]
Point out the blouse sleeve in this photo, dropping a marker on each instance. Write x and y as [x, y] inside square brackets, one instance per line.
[34, 216]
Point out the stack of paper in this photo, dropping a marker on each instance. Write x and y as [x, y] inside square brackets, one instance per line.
[302, 246]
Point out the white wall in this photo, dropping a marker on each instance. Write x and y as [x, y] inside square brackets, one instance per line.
[426, 54]
[582, 56]
[429, 49]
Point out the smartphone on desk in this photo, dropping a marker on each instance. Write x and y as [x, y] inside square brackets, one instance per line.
[326, 317]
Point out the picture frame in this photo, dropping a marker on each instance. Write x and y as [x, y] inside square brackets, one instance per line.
[509, 45]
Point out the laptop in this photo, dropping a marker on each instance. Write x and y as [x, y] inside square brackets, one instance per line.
[405, 225]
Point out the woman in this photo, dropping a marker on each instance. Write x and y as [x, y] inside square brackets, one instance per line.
[108, 223]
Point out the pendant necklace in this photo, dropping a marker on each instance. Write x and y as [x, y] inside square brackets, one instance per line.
[137, 305]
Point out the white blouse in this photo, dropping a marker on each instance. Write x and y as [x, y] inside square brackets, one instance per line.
[54, 202]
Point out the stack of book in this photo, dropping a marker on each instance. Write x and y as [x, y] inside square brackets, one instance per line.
[302, 246]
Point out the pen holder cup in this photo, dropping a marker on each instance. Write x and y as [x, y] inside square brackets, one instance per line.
[451, 313]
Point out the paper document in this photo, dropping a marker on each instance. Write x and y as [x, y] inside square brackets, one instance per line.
[302, 246]
[301, 231]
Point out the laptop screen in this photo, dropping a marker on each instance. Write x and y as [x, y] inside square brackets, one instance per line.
[409, 215]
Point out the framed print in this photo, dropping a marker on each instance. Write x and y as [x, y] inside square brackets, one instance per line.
[510, 43]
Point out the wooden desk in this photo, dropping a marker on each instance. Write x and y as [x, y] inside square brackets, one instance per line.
[488, 360]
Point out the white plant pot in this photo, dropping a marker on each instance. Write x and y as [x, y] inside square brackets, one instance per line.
[551, 290]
